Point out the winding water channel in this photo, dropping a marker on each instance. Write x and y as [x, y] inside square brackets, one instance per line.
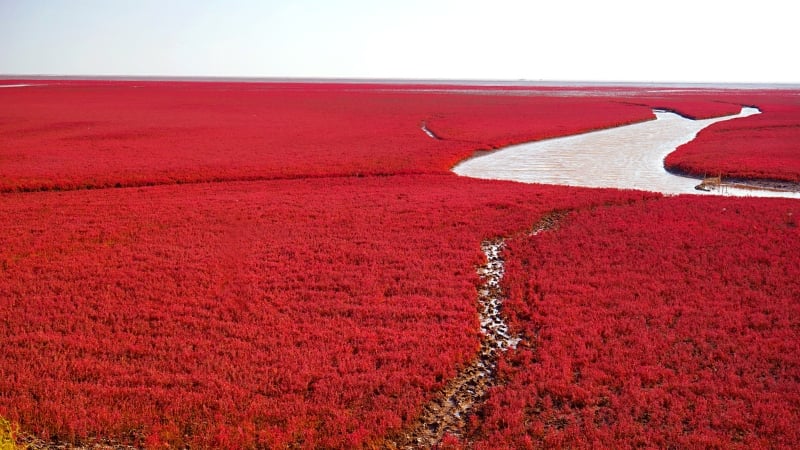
[626, 157]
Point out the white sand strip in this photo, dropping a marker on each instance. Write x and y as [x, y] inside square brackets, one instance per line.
[427, 131]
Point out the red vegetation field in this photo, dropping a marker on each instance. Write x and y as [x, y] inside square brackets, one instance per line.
[762, 147]
[294, 265]
[321, 312]
[79, 135]
[695, 106]
[670, 323]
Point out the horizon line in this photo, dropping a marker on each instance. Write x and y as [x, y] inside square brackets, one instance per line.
[519, 82]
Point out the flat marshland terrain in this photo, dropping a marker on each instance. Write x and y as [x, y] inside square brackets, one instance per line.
[272, 265]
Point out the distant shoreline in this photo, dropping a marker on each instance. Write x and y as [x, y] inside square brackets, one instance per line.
[427, 81]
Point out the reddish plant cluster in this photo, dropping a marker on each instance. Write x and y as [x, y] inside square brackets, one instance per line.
[95, 134]
[322, 298]
[764, 146]
[320, 313]
[662, 324]
[694, 107]
[499, 121]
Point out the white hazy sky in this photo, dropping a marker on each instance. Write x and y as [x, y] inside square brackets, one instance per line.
[568, 40]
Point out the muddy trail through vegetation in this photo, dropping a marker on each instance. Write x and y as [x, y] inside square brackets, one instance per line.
[449, 411]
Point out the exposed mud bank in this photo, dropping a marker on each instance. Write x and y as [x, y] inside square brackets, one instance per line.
[765, 185]
[746, 183]
[31, 443]
[449, 411]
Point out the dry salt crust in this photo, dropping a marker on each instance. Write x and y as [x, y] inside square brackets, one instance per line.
[626, 157]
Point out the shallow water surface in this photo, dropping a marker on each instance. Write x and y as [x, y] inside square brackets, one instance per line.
[626, 157]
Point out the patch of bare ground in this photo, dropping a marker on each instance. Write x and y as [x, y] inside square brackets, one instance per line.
[449, 411]
[720, 183]
[28, 442]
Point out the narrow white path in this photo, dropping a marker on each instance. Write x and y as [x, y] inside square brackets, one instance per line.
[14, 85]
[449, 411]
[626, 157]
[427, 131]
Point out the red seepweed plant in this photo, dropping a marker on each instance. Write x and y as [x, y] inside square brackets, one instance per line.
[293, 265]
